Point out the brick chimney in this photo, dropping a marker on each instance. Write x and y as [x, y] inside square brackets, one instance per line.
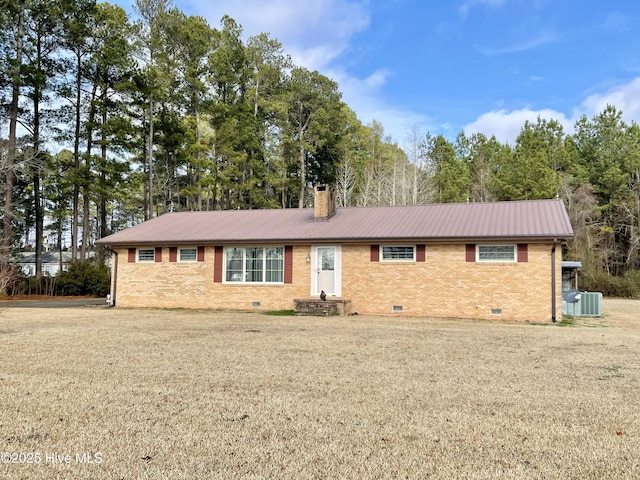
[324, 202]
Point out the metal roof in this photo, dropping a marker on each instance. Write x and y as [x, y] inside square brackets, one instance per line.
[47, 257]
[570, 264]
[534, 219]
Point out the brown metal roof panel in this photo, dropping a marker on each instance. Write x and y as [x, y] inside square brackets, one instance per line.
[544, 218]
[211, 226]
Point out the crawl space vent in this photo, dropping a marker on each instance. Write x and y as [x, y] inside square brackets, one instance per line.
[496, 311]
[397, 308]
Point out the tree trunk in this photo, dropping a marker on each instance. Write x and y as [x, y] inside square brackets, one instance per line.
[303, 173]
[145, 167]
[86, 187]
[102, 228]
[198, 170]
[39, 214]
[76, 158]
[7, 231]
[150, 152]
[86, 207]
[39, 220]
[59, 243]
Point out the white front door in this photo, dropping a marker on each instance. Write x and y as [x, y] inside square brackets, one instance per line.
[326, 270]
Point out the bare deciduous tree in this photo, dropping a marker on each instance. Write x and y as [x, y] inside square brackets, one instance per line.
[345, 183]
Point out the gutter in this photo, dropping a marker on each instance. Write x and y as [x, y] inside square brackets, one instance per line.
[553, 283]
[343, 240]
[114, 283]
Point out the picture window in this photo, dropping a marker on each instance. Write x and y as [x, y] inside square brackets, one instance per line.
[254, 264]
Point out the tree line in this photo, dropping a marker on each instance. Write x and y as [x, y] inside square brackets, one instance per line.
[112, 120]
[595, 171]
[109, 120]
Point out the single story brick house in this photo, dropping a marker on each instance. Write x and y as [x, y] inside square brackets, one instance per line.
[497, 260]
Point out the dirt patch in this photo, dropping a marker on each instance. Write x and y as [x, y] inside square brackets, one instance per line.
[181, 394]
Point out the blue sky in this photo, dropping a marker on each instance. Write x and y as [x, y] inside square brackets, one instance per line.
[444, 66]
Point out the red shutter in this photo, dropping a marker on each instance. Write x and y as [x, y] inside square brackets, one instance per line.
[217, 264]
[132, 255]
[288, 264]
[420, 253]
[523, 252]
[173, 254]
[158, 254]
[201, 254]
[471, 252]
[375, 253]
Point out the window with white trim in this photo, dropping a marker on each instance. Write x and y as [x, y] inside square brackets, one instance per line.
[188, 254]
[254, 264]
[496, 253]
[398, 253]
[146, 255]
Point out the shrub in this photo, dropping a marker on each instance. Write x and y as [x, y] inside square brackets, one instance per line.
[627, 286]
[44, 285]
[11, 280]
[633, 277]
[84, 278]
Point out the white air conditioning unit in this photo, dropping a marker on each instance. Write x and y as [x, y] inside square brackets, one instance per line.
[589, 305]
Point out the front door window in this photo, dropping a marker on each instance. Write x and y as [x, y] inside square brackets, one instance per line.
[326, 270]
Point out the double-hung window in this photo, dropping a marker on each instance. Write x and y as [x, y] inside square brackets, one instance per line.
[188, 254]
[254, 264]
[496, 253]
[146, 255]
[398, 253]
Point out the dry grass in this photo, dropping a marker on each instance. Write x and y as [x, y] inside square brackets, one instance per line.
[178, 394]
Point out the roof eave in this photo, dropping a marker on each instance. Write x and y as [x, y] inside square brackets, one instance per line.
[493, 238]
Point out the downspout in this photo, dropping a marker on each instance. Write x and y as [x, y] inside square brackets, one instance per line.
[114, 282]
[553, 282]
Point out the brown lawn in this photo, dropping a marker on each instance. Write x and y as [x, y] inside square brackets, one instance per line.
[199, 395]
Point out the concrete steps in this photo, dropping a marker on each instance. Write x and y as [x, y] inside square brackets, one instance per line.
[328, 307]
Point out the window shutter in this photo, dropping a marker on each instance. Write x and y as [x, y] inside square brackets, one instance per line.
[288, 264]
[173, 254]
[523, 252]
[132, 255]
[420, 253]
[375, 253]
[217, 264]
[201, 254]
[471, 252]
[158, 254]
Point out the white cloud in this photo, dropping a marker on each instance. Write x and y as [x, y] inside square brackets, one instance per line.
[377, 78]
[396, 122]
[364, 97]
[625, 97]
[313, 33]
[539, 40]
[506, 125]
